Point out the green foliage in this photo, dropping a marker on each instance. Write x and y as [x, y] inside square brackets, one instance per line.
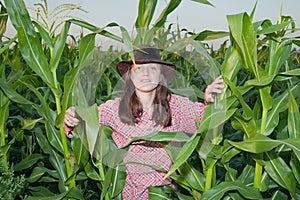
[11, 185]
[247, 144]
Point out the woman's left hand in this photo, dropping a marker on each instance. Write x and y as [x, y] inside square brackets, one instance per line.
[214, 88]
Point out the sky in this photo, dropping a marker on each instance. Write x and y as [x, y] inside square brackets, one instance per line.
[189, 14]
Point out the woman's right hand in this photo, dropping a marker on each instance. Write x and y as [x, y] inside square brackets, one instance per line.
[70, 121]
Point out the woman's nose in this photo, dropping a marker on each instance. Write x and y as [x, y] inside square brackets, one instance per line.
[145, 71]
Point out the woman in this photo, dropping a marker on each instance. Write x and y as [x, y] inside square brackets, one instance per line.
[147, 106]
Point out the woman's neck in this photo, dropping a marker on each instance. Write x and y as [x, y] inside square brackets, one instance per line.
[146, 99]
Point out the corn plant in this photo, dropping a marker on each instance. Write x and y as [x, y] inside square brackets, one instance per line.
[46, 97]
[246, 146]
[260, 103]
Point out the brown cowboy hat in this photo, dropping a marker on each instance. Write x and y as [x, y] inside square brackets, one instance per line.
[146, 54]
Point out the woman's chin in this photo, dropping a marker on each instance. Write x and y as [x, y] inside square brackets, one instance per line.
[147, 88]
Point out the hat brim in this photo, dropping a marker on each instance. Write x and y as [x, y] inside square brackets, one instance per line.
[124, 66]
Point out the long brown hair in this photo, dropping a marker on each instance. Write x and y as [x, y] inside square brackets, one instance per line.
[131, 109]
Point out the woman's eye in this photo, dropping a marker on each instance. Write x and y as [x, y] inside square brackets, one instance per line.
[137, 68]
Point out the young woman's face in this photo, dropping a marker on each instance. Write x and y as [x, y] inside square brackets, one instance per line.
[145, 77]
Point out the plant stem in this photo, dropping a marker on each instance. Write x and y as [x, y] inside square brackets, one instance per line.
[2, 129]
[263, 122]
[258, 167]
[65, 145]
[62, 132]
[3, 144]
[209, 175]
[257, 175]
[208, 178]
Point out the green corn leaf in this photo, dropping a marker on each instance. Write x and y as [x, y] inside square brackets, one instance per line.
[7, 45]
[4, 110]
[89, 131]
[279, 53]
[81, 154]
[247, 174]
[164, 136]
[161, 20]
[12, 94]
[28, 162]
[75, 193]
[211, 35]
[127, 42]
[273, 28]
[248, 127]
[158, 193]
[293, 117]
[145, 13]
[52, 197]
[36, 174]
[295, 165]
[280, 172]
[4, 149]
[247, 112]
[242, 32]
[44, 34]
[193, 176]
[278, 195]
[231, 65]
[98, 30]
[183, 196]
[263, 81]
[59, 47]
[87, 45]
[118, 181]
[293, 72]
[57, 161]
[185, 153]
[47, 113]
[204, 2]
[280, 104]
[218, 191]
[30, 124]
[261, 143]
[43, 142]
[213, 118]
[214, 71]
[29, 42]
[91, 172]
[106, 182]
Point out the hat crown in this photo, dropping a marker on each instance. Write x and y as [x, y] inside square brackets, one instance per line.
[146, 53]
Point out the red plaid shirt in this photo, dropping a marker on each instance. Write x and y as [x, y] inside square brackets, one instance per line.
[139, 177]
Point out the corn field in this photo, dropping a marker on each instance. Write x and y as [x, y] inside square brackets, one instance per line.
[247, 146]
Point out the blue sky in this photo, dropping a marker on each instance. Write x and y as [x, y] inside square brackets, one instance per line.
[190, 15]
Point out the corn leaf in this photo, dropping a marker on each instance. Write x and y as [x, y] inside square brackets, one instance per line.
[161, 20]
[204, 2]
[27, 162]
[12, 94]
[59, 47]
[218, 191]
[145, 13]
[29, 42]
[261, 143]
[280, 172]
[293, 117]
